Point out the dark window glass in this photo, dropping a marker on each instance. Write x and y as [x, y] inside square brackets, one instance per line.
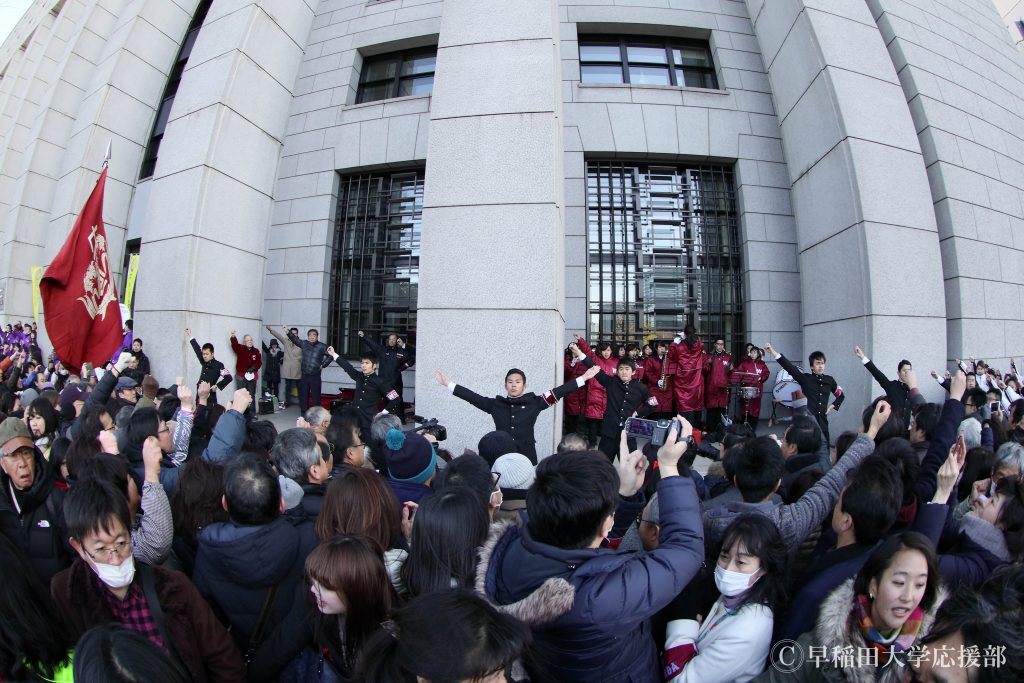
[664, 250]
[375, 257]
[149, 156]
[397, 74]
[645, 61]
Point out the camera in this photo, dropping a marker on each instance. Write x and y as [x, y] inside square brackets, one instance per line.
[431, 427]
[654, 431]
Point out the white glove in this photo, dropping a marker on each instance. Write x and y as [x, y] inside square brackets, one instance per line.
[122, 361]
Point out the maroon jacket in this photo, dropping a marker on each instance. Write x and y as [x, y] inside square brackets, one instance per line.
[761, 368]
[576, 402]
[596, 395]
[246, 359]
[654, 369]
[203, 644]
[717, 369]
[688, 386]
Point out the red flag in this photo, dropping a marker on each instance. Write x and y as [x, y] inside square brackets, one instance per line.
[83, 318]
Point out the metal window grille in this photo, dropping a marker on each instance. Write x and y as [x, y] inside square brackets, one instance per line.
[650, 61]
[664, 251]
[397, 74]
[375, 259]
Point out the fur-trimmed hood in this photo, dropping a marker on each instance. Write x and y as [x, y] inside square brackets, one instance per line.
[836, 629]
[541, 607]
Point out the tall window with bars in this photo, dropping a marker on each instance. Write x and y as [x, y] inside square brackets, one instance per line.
[664, 250]
[375, 259]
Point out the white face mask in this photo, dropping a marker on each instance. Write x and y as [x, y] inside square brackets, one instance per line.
[730, 583]
[116, 576]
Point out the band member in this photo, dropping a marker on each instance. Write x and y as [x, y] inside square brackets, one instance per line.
[750, 409]
[596, 398]
[633, 353]
[576, 402]
[687, 356]
[658, 375]
[717, 366]
[816, 385]
[516, 412]
[626, 398]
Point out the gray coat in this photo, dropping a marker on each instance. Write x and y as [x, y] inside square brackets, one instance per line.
[291, 364]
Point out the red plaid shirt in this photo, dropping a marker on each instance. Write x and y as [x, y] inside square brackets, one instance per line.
[133, 612]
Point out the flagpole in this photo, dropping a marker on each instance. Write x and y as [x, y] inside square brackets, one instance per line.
[106, 155]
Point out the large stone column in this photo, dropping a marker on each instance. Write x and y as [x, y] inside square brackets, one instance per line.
[870, 267]
[491, 270]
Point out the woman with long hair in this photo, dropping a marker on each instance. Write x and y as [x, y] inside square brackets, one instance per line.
[42, 423]
[196, 504]
[359, 502]
[731, 643]
[353, 597]
[454, 637]
[448, 529]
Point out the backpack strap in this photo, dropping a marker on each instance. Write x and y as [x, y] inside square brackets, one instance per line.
[261, 623]
[148, 577]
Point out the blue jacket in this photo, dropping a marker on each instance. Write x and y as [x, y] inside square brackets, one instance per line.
[235, 568]
[227, 438]
[598, 627]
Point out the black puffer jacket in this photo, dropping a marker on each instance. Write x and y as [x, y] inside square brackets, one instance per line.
[38, 528]
[314, 356]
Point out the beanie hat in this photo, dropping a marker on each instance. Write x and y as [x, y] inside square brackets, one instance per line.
[409, 456]
[515, 475]
[70, 394]
[150, 386]
[291, 492]
[13, 435]
[493, 445]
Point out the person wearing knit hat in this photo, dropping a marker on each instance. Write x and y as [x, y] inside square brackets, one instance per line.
[515, 475]
[149, 388]
[493, 445]
[411, 464]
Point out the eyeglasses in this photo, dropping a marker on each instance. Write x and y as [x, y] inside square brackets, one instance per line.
[165, 430]
[25, 454]
[115, 552]
[496, 476]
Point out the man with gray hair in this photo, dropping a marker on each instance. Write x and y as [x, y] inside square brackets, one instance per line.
[1009, 464]
[298, 456]
[318, 419]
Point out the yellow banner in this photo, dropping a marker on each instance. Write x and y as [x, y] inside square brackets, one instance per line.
[129, 288]
[36, 273]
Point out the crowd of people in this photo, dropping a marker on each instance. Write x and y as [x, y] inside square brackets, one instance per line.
[164, 534]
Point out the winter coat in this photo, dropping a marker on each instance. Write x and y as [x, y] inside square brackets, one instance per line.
[970, 549]
[796, 465]
[38, 529]
[799, 519]
[732, 647]
[393, 360]
[576, 402]
[753, 406]
[596, 396]
[246, 359]
[688, 385]
[605, 633]
[235, 568]
[314, 355]
[835, 630]
[654, 369]
[200, 641]
[291, 364]
[717, 367]
[272, 364]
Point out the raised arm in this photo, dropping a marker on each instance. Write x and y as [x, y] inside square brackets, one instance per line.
[276, 334]
[198, 350]
[344, 365]
[374, 346]
[942, 439]
[793, 370]
[879, 376]
[478, 401]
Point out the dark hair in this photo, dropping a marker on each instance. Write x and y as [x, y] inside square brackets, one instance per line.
[900, 365]
[115, 654]
[975, 397]
[476, 641]
[370, 356]
[987, 616]
[816, 355]
[471, 472]
[843, 443]
[58, 455]
[207, 347]
[144, 423]
[804, 433]
[626, 362]
[894, 425]
[251, 489]
[137, 339]
[196, 502]
[515, 371]
[448, 529]
[92, 505]
[881, 559]
[168, 408]
[1011, 516]
[925, 419]
[34, 637]
[42, 407]
[872, 498]
[977, 465]
[900, 454]
[761, 538]
[801, 484]
[293, 330]
[353, 567]
[112, 469]
[359, 501]
[260, 436]
[759, 468]
[313, 331]
[603, 345]
[572, 495]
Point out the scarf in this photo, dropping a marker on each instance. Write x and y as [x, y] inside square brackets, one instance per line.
[888, 649]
